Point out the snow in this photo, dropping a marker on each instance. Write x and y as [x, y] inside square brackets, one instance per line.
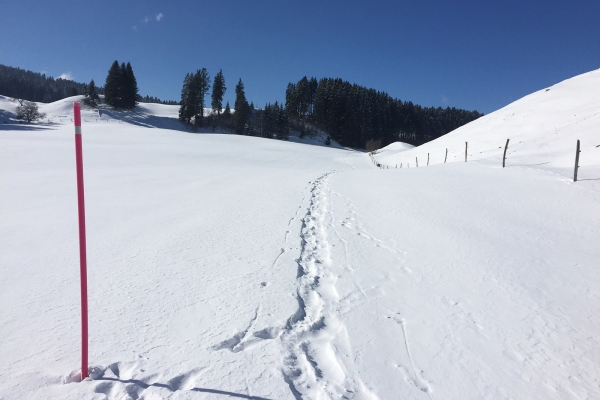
[543, 129]
[230, 266]
[395, 148]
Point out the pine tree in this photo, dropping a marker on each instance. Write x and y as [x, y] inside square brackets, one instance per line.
[193, 92]
[122, 86]
[227, 116]
[202, 85]
[242, 110]
[185, 110]
[283, 130]
[303, 94]
[130, 88]
[112, 86]
[121, 90]
[91, 98]
[218, 92]
[266, 125]
[291, 99]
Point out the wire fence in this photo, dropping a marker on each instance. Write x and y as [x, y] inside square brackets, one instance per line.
[384, 166]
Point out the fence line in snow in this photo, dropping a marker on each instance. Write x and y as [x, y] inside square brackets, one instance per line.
[381, 166]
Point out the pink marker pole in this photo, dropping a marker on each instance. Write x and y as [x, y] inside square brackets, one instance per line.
[82, 252]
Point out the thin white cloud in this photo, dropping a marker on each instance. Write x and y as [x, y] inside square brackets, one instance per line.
[444, 99]
[146, 20]
[66, 75]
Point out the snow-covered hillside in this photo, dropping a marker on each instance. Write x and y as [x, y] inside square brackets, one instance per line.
[59, 113]
[224, 266]
[543, 129]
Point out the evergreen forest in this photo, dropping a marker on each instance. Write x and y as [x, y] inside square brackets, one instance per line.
[33, 86]
[353, 115]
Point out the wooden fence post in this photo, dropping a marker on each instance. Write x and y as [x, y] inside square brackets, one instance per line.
[446, 157]
[504, 157]
[417, 160]
[576, 162]
[466, 148]
[427, 158]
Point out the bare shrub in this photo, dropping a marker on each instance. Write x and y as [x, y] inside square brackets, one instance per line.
[29, 111]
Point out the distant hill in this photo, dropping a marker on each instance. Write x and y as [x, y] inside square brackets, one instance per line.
[543, 128]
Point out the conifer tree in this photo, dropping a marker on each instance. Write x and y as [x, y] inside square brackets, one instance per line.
[122, 86]
[195, 87]
[121, 90]
[112, 86]
[91, 95]
[186, 110]
[283, 130]
[202, 85]
[242, 109]
[130, 88]
[218, 92]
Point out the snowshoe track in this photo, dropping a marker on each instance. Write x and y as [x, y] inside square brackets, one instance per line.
[315, 340]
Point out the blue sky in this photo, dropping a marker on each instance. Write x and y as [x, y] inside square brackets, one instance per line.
[468, 54]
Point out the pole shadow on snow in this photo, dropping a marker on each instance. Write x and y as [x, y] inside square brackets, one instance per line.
[144, 386]
[528, 165]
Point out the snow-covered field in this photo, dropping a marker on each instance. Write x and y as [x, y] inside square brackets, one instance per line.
[224, 266]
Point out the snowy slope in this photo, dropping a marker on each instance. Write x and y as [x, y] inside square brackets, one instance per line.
[543, 129]
[8, 105]
[149, 115]
[223, 266]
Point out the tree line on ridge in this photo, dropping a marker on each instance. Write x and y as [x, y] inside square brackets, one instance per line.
[352, 115]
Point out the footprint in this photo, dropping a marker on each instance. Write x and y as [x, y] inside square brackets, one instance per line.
[268, 333]
[119, 390]
[186, 381]
[230, 343]
[124, 369]
[233, 343]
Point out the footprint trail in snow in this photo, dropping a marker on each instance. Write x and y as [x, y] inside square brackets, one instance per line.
[317, 361]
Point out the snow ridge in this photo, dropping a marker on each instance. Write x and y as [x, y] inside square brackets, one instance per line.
[314, 335]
